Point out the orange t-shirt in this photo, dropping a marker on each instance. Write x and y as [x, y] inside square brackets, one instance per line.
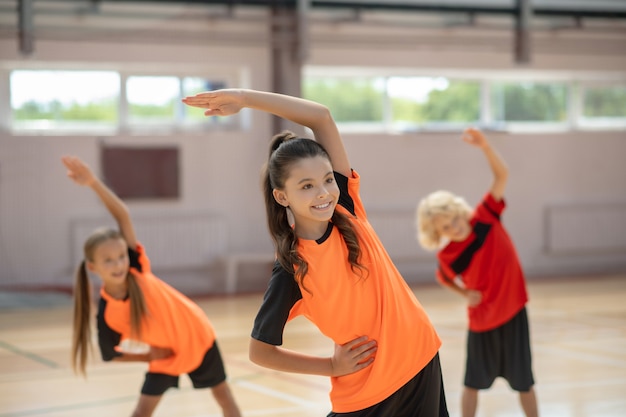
[345, 306]
[172, 321]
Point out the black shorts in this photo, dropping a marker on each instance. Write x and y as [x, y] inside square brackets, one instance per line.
[210, 373]
[503, 351]
[422, 396]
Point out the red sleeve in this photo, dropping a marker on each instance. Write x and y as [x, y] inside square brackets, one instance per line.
[444, 274]
[489, 208]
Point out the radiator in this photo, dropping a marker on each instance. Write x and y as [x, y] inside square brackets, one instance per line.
[171, 242]
[586, 228]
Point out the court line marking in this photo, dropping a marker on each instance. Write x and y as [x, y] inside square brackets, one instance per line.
[276, 394]
[265, 412]
[28, 355]
[76, 406]
[569, 352]
[300, 403]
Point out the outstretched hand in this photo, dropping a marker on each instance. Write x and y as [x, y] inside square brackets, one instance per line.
[78, 171]
[474, 137]
[218, 103]
[353, 356]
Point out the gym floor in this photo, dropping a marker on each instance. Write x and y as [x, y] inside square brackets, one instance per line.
[578, 336]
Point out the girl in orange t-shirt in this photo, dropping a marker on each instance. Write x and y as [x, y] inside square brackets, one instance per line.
[140, 317]
[332, 268]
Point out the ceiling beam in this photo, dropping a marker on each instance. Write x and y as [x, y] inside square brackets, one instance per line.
[522, 31]
[590, 11]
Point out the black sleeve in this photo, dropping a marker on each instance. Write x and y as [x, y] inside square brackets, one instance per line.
[344, 198]
[107, 337]
[281, 295]
[133, 255]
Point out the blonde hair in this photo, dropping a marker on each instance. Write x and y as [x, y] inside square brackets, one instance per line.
[81, 337]
[438, 203]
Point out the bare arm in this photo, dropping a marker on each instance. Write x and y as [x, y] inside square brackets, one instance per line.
[473, 297]
[348, 358]
[307, 113]
[154, 353]
[81, 174]
[496, 162]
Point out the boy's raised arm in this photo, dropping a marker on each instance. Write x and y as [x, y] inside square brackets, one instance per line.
[498, 167]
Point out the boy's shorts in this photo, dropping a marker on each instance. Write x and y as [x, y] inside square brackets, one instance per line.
[210, 373]
[503, 351]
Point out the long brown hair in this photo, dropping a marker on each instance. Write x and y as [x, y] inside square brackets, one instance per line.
[81, 338]
[285, 150]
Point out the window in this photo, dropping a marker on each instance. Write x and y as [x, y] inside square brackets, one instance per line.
[64, 99]
[432, 101]
[152, 99]
[360, 99]
[91, 101]
[603, 106]
[156, 100]
[530, 102]
[349, 99]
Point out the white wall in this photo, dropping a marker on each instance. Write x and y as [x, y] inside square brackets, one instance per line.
[220, 171]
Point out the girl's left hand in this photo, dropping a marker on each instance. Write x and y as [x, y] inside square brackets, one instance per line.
[353, 356]
[157, 353]
[219, 102]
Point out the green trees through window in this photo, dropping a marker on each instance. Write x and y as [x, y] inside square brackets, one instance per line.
[353, 100]
[90, 100]
[409, 103]
[94, 99]
[605, 102]
[64, 96]
[530, 102]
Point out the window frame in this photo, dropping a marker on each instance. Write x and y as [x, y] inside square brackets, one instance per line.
[487, 79]
[229, 76]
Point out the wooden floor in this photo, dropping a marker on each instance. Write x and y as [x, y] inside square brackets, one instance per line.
[578, 335]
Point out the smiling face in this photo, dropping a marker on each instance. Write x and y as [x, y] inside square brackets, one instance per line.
[111, 263]
[311, 193]
[455, 228]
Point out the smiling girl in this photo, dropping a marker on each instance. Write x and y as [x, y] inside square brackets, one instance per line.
[140, 318]
[332, 268]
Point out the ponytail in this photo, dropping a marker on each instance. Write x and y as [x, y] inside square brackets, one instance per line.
[137, 305]
[81, 339]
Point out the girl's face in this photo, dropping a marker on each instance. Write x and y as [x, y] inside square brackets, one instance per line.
[453, 227]
[110, 262]
[312, 194]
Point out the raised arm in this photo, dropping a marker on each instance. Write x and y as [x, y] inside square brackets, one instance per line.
[496, 163]
[81, 174]
[307, 113]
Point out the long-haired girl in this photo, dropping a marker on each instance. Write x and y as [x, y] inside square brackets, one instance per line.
[140, 317]
[332, 268]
